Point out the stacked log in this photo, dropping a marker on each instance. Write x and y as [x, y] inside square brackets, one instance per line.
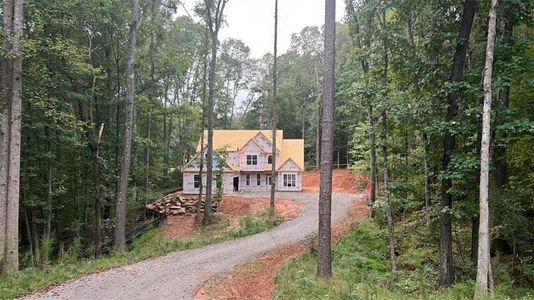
[177, 204]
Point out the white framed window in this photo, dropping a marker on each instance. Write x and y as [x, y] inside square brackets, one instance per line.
[248, 179]
[252, 160]
[258, 179]
[290, 180]
[270, 160]
[196, 181]
[268, 180]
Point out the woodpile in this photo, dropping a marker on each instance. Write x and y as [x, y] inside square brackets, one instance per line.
[176, 204]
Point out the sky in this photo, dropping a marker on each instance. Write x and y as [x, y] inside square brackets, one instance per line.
[252, 21]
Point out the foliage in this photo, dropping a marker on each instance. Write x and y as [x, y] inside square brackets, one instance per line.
[361, 271]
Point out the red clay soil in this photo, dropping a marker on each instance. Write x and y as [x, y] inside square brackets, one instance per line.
[342, 182]
[232, 208]
[255, 280]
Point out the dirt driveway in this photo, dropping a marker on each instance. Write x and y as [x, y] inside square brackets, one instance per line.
[175, 276]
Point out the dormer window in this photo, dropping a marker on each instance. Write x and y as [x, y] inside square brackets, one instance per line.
[270, 160]
[252, 160]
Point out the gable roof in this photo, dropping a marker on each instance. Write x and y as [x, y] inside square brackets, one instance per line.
[292, 150]
[233, 140]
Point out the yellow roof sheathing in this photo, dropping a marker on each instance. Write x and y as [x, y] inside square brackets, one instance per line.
[292, 149]
[234, 139]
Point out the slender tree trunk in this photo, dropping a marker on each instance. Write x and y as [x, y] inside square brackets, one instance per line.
[324, 259]
[151, 100]
[372, 142]
[426, 145]
[274, 111]
[484, 262]
[214, 24]
[387, 196]
[6, 98]
[120, 226]
[449, 144]
[203, 124]
[385, 128]
[48, 231]
[11, 135]
[98, 196]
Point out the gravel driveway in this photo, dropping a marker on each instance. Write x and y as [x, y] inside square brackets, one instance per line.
[176, 275]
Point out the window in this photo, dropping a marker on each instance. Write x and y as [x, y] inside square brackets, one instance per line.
[270, 160]
[290, 180]
[196, 181]
[248, 179]
[258, 179]
[268, 180]
[252, 160]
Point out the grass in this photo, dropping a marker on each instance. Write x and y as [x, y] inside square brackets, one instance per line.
[362, 271]
[151, 244]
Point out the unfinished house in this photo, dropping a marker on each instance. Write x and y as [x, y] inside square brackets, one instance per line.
[243, 158]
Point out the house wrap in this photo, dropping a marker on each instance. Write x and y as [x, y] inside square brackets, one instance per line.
[246, 162]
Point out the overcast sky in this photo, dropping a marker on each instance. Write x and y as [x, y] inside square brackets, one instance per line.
[252, 21]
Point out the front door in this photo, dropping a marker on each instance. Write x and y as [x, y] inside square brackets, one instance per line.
[236, 184]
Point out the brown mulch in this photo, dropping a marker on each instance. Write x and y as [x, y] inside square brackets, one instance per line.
[255, 280]
[232, 208]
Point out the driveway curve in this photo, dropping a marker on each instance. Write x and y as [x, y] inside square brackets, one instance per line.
[176, 275]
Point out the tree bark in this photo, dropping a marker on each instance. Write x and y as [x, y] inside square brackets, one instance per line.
[324, 259]
[203, 124]
[484, 263]
[98, 196]
[372, 142]
[11, 137]
[5, 73]
[449, 144]
[426, 145]
[274, 110]
[214, 24]
[120, 226]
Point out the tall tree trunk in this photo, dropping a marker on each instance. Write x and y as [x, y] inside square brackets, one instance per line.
[274, 111]
[324, 259]
[449, 144]
[11, 138]
[48, 231]
[387, 196]
[426, 145]
[6, 98]
[484, 263]
[387, 190]
[203, 124]
[120, 226]
[372, 142]
[98, 196]
[214, 24]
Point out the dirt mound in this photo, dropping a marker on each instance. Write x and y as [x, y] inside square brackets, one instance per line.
[342, 182]
[232, 208]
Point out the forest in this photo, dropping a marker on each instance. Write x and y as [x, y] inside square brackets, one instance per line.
[94, 140]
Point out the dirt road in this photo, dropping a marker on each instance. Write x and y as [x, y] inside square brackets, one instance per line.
[175, 276]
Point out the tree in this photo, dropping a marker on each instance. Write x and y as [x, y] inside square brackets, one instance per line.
[449, 143]
[484, 262]
[273, 108]
[324, 260]
[13, 17]
[213, 14]
[120, 226]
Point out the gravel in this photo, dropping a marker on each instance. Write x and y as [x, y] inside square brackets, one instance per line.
[178, 274]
